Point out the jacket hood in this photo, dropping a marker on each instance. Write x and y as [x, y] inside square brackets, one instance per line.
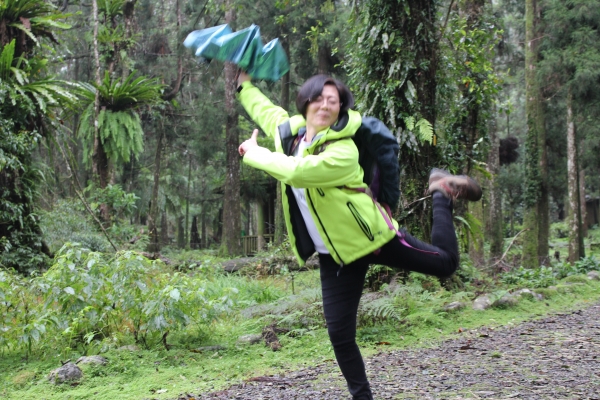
[345, 127]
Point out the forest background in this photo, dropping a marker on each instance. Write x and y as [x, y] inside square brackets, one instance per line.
[116, 142]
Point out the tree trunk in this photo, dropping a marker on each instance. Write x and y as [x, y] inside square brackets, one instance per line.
[181, 232]
[260, 225]
[575, 251]
[128, 9]
[164, 229]
[99, 158]
[544, 195]
[530, 255]
[495, 233]
[154, 245]
[420, 31]
[279, 233]
[203, 238]
[230, 242]
[584, 227]
[476, 243]
[186, 238]
[194, 236]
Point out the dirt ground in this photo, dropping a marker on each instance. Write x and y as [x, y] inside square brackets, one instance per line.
[557, 357]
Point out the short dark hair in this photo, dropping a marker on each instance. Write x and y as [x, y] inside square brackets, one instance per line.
[313, 87]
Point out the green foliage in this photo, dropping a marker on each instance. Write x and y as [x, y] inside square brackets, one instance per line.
[29, 20]
[28, 100]
[546, 276]
[120, 203]
[534, 277]
[470, 230]
[403, 301]
[383, 67]
[119, 124]
[378, 275]
[422, 129]
[86, 297]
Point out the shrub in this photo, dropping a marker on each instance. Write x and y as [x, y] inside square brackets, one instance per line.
[534, 277]
[68, 222]
[547, 276]
[86, 297]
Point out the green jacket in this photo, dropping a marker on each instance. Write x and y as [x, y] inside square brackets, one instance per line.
[349, 222]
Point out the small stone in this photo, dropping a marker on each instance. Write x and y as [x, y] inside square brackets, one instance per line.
[455, 305]
[528, 292]
[507, 300]
[210, 348]
[483, 302]
[250, 339]
[130, 347]
[593, 275]
[98, 360]
[68, 372]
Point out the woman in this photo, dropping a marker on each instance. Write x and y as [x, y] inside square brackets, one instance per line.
[326, 211]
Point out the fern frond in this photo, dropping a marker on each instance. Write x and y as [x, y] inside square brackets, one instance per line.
[6, 59]
[26, 31]
[424, 130]
[410, 123]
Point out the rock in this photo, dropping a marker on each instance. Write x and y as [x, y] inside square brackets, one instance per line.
[97, 360]
[269, 333]
[528, 292]
[483, 302]
[208, 348]
[455, 305]
[508, 300]
[371, 296]
[68, 372]
[593, 275]
[238, 263]
[130, 347]
[250, 339]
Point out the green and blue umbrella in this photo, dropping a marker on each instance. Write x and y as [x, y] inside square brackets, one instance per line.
[244, 48]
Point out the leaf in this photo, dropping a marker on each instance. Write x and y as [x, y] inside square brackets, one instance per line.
[424, 130]
[410, 123]
[69, 290]
[411, 92]
[175, 295]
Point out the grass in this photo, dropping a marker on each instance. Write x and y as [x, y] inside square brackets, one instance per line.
[161, 374]
[417, 320]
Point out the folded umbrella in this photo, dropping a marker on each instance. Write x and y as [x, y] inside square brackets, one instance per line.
[244, 48]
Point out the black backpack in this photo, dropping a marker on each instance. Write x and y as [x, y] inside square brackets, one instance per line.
[378, 157]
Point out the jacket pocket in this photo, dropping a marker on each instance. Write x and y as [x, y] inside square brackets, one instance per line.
[361, 222]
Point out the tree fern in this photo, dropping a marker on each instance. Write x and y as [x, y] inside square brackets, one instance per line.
[119, 124]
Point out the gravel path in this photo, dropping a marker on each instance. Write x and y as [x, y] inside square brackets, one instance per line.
[557, 357]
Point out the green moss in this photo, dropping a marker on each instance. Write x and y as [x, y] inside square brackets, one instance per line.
[142, 374]
[23, 378]
[576, 279]
[548, 292]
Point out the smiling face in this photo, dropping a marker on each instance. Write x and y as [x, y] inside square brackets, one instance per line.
[323, 111]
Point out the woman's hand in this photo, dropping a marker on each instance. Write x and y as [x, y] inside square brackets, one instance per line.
[248, 144]
[243, 77]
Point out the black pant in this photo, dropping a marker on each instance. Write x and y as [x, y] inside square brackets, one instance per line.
[343, 287]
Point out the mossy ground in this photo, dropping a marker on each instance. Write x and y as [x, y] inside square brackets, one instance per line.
[161, 374]
[156, 373]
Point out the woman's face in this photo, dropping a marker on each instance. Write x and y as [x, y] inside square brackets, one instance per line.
[323, 111]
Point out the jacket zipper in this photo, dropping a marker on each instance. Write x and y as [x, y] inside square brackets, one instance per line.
[361, 222]
[324, 230]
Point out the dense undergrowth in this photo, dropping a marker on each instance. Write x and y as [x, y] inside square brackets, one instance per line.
[91, 303]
